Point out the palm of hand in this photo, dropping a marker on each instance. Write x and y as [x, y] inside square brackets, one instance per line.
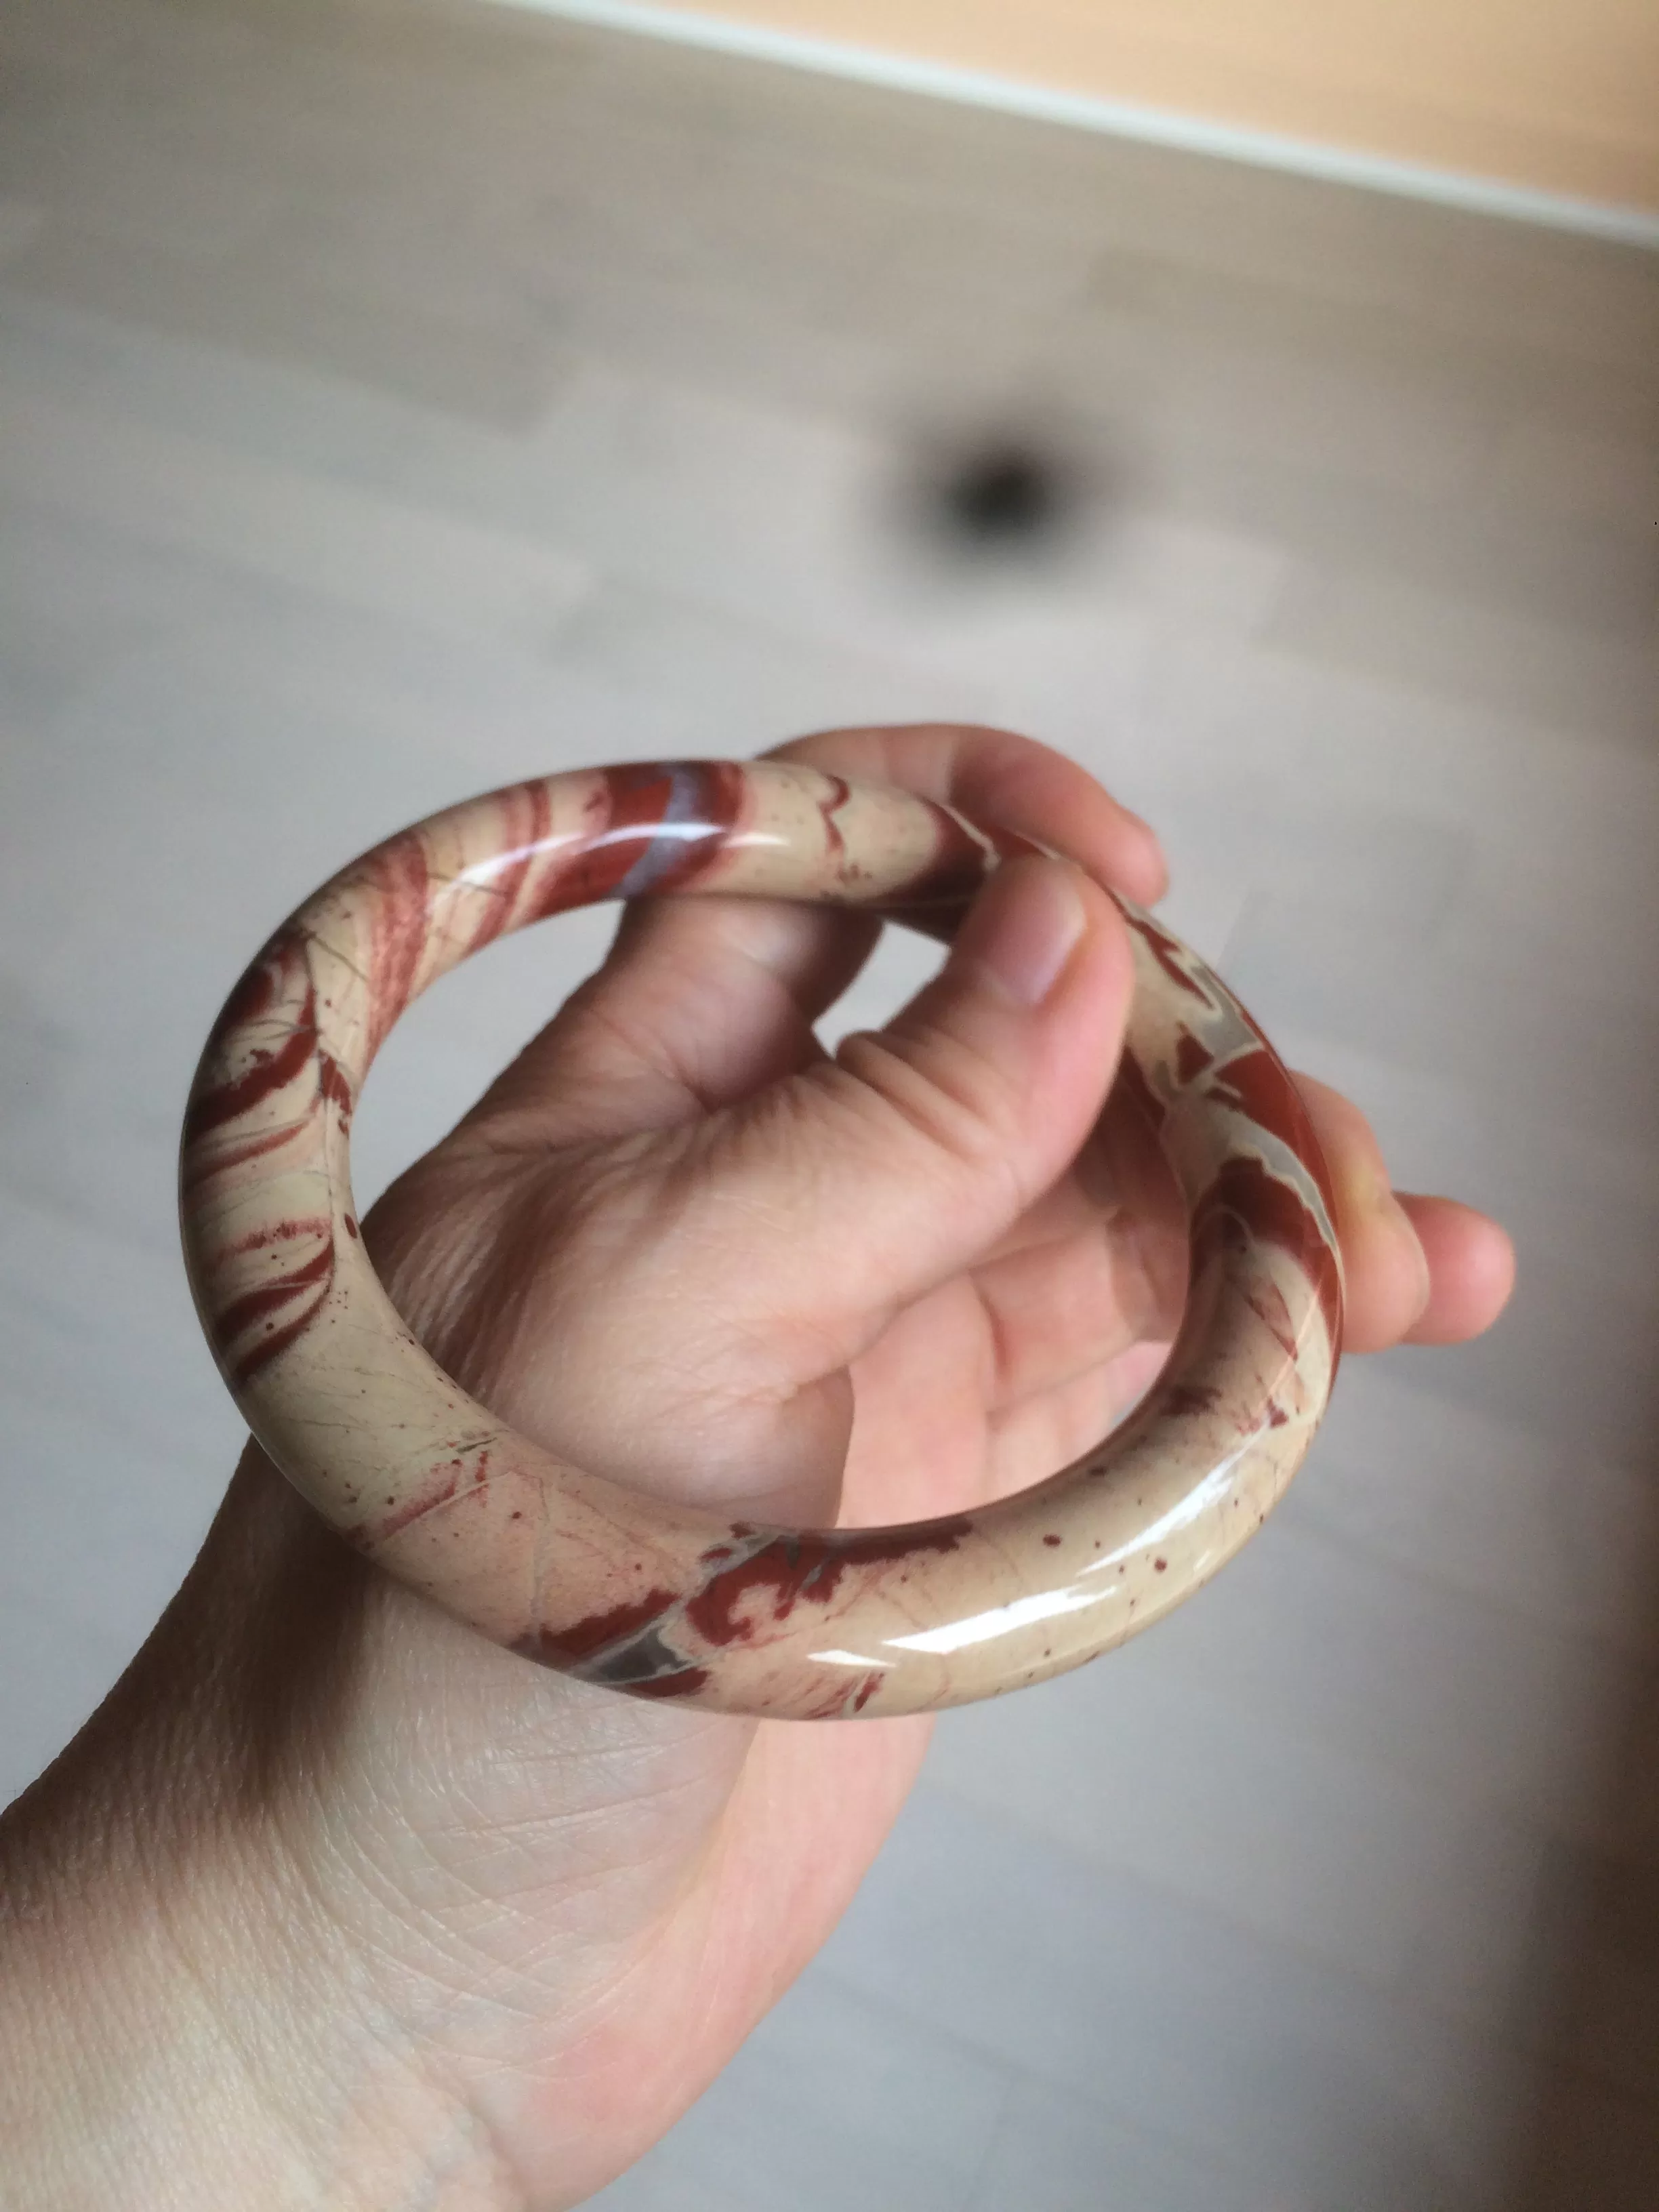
[752, 1840]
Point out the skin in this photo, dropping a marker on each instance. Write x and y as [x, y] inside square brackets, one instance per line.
[335, 1904]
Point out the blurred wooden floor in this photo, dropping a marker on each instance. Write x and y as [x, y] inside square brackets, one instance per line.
[397, 400]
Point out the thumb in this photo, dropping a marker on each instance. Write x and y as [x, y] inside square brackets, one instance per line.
[862, 1182]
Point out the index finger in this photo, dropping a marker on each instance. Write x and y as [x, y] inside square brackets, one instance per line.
[997, 776]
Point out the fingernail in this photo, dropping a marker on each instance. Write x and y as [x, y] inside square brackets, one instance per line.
[1400, 1222]
[1155, 854]
[1022, 930]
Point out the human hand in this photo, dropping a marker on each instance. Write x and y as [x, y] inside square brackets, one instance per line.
[484, 1930]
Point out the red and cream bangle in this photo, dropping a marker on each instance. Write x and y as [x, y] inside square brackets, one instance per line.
[658, 1600]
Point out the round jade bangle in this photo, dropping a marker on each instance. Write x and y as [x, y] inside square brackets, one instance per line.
[660, 1600]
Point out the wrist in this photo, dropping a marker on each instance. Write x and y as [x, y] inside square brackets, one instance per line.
[183, 2019]
[124, 2076]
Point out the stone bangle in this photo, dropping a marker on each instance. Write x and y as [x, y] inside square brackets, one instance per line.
[660, 1600]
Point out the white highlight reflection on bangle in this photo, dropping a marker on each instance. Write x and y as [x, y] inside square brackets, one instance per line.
[979, 1627]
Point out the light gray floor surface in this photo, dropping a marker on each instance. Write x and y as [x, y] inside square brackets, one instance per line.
[396, 400]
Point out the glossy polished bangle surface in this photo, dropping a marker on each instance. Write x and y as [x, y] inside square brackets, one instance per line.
[657, 1599]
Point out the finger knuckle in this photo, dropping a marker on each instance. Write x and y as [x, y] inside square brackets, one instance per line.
[960, 1109]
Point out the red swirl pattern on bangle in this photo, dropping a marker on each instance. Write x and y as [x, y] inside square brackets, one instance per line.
[661, 1601]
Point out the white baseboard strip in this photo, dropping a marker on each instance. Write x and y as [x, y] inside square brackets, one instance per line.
[1122, 119]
